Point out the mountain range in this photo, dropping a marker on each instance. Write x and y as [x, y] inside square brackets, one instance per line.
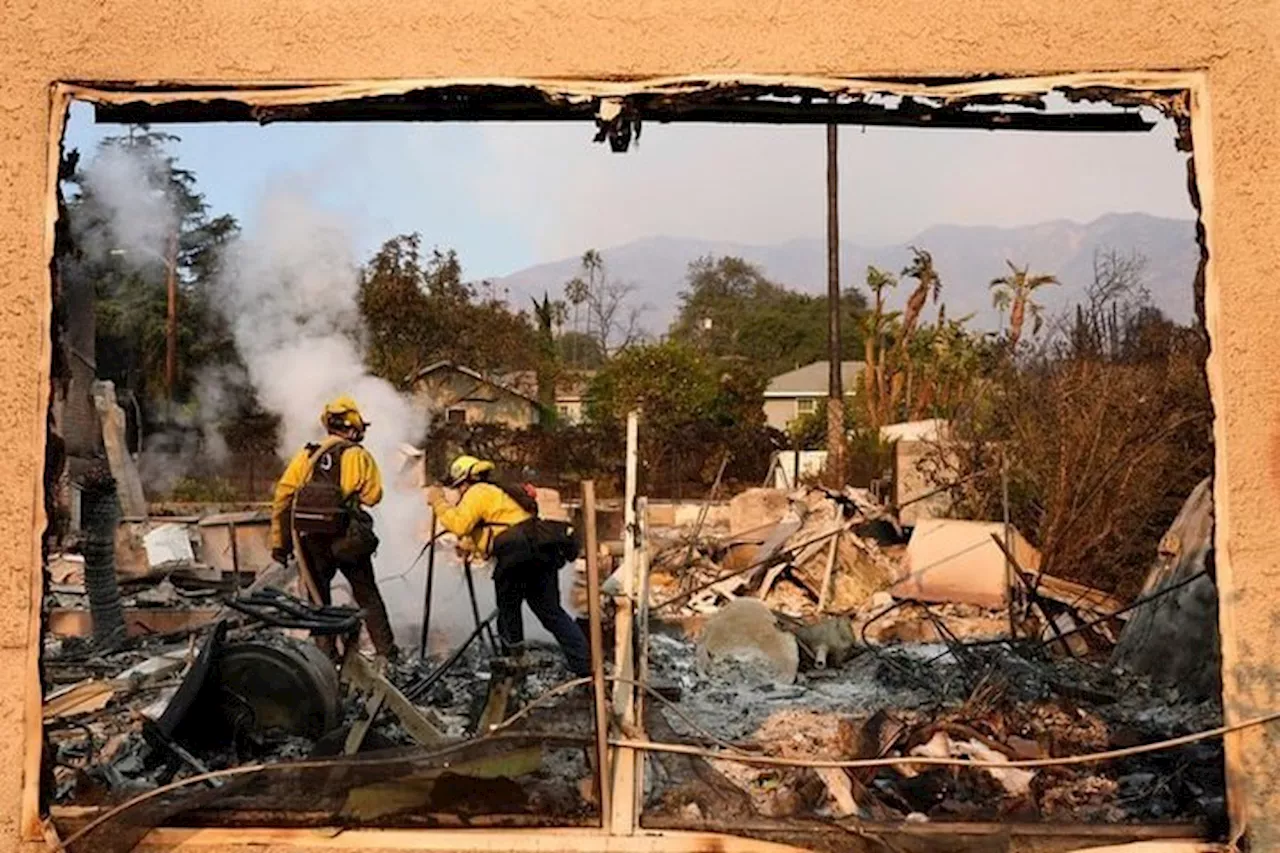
[966, 257]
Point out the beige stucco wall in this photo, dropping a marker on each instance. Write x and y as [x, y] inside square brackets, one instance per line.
[779, 411]
[442, 391]
[912, 480]
[1235, 43]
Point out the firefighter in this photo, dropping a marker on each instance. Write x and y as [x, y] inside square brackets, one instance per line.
[319, 503]
[497, 520]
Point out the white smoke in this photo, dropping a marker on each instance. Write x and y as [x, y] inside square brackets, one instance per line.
[291, 286]
[138, 212]
[132, 225]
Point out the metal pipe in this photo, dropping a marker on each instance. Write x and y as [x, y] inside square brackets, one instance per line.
[475, 604]
[418, 689]
[431, 578]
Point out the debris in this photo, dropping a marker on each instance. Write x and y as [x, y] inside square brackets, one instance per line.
[168, 545]
[132, 499]
[1174, 639]
[756, 509]
[67, 570]
[251, 533]
[827, 643]
[1015, 781]
[744, 639]
[83, 698]
[840, 789]
[957, 561]
[360, 674]
[160, 595]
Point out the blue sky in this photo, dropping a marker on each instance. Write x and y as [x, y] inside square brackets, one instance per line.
[506, 196]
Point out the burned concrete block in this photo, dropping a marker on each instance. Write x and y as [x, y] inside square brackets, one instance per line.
[743, 642]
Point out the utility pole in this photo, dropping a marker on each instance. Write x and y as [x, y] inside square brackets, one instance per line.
[835, 390]
[171, 331]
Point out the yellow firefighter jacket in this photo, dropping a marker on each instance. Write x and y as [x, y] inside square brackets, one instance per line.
[483, 513]
[359, 476]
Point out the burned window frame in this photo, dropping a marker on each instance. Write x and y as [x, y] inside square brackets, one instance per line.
[618, 109]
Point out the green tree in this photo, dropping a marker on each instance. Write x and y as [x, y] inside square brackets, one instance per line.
[731, 309]
[417, 310]
[692, 404]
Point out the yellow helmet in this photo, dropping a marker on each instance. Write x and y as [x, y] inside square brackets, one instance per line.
[343, 409]
[466, 468]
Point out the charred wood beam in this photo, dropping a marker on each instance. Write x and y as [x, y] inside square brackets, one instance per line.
[532, 105]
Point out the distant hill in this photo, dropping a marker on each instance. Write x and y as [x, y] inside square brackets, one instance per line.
[967, 257]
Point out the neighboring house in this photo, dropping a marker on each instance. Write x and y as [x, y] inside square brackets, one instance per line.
[461, 395]
[798, 392]
[571, 390]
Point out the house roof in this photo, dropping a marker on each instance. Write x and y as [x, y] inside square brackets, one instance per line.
[495, 382]
[927, 430]
[570, 385]
[811, 380]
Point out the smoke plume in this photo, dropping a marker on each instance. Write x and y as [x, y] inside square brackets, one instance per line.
[292, 287]
[130, 225]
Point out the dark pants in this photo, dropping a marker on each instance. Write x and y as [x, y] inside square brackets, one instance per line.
[537, 583]
[324, 566]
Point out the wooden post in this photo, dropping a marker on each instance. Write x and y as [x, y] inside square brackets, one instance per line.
[824, 594]
[597, 652]
[1011, 589]
[235, 558]
[623, 819]
[642, 663]
[835, 384]
[623, 621]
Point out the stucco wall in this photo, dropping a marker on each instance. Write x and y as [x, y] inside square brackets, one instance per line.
[778, 412]
[443, 391]
[327, 39]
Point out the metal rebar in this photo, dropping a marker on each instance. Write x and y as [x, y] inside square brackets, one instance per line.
[419, 688]
[475, 607]
[431, 578]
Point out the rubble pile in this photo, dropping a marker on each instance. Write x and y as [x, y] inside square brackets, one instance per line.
[906, 646]
[921, 701]
[240, 692]
[812, 627]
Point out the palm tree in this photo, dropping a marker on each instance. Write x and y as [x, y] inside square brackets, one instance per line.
[576, 291]
[1013, 294]
[928, 283]
[873, 344]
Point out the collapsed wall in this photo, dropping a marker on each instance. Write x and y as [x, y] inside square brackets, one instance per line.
[1174, 640]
